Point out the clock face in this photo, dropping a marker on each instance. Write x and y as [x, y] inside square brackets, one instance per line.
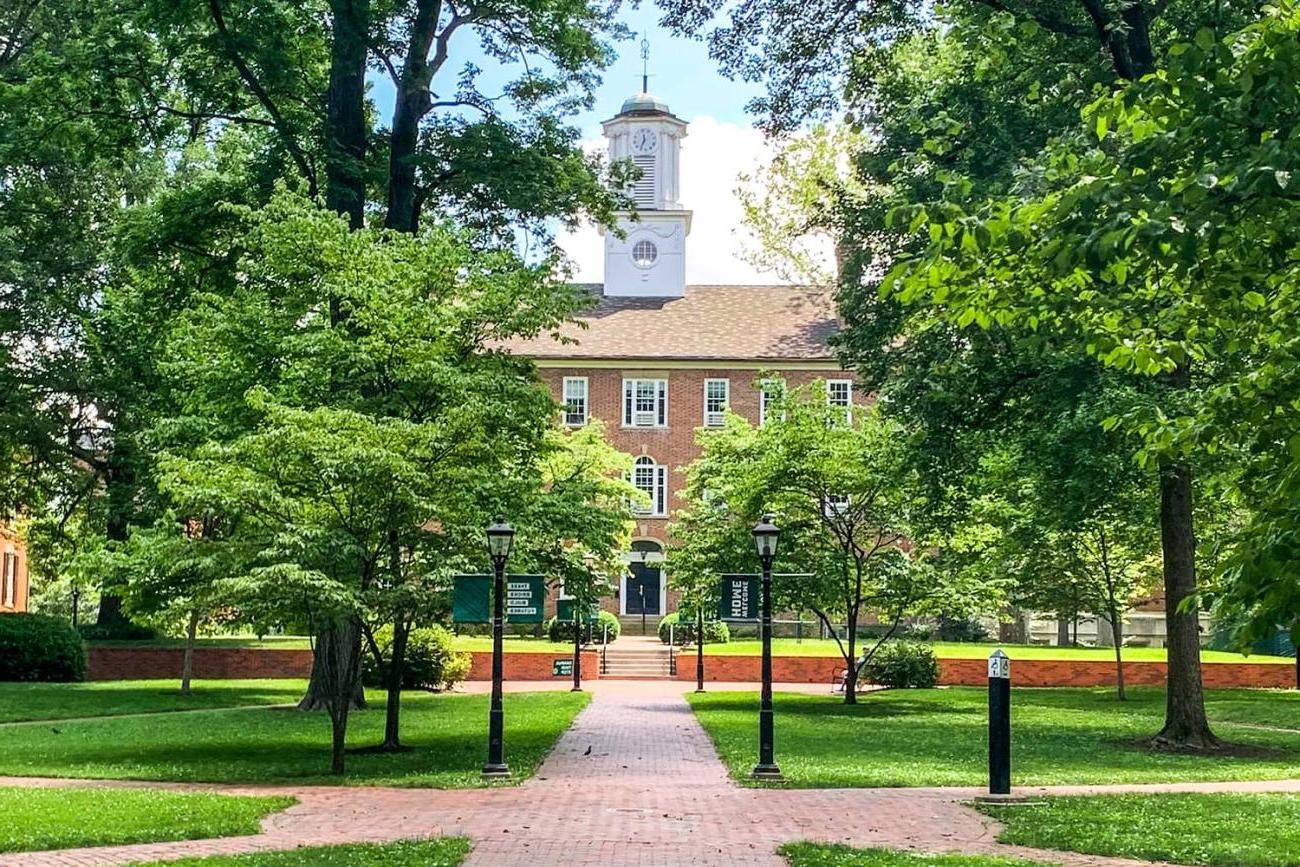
[644, 141]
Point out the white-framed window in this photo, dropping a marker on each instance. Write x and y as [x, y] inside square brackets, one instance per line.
[575, 401]
[835, 504]
[839, 392]
[652, 479]
[9, 574]
[644, 254]
[769, 390]
[717, 394]
[645, 403]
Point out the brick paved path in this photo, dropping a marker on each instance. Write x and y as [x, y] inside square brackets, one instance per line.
[651, 791]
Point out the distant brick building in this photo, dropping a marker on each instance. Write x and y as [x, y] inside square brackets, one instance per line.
[13, 571]
[659, 359]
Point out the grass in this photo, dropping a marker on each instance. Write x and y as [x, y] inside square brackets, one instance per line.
[37, 819]
[448, 734]
[270, 642]
[953, 650]
[938, 737]
[1223, 830]
[56, 701]
[442, 852]
[823, 855]
[512, 644]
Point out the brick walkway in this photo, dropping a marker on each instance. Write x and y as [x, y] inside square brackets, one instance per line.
[614, 794]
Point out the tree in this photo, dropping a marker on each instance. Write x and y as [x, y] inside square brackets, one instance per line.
[353, 492]
[836, 482]
[1050, 49]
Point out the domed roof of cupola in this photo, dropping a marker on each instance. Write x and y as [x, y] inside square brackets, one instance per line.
[644, 103]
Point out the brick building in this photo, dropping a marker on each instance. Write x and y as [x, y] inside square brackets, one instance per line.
[658, 359]
[13, 571]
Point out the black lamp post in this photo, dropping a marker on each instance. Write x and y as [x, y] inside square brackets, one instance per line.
[588, 561]
[765, 533]
[500, 537]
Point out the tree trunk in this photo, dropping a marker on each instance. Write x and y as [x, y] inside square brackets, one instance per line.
[1062, 631]
[345, 115]
[187, 664]
[119, 483]
[1186, 726]
[411, 104]
[1117, 633]
[318, 689]
[338, 656]
[1295, 645]
[396, 674]
[851, 676]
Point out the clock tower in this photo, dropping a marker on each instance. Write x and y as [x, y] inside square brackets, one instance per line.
[650, 260]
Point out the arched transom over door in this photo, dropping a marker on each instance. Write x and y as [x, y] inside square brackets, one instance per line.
[643, 586]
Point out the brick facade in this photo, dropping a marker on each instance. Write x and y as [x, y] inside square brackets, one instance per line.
[674, 445]
[14, 590]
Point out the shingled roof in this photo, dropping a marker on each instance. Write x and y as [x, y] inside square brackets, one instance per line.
[750, 323]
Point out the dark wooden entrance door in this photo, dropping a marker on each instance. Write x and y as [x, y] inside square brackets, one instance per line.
[643, 589]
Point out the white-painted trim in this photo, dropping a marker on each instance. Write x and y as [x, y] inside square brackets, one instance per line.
[644, 557]
[726, 399]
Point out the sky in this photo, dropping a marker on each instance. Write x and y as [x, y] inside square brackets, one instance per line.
[721, 143]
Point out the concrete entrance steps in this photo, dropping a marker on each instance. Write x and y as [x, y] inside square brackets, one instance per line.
[635, 657]
[630, 624]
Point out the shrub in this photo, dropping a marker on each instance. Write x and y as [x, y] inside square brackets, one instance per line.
[431, 660]
[36, 647]
[118, 630]
[561, 631]
[715, 631]
[903, 665]
[961, 629]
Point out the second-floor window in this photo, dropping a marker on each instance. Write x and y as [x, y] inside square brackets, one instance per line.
[575, 401]
[652, 479]
[769, 391]
[839, 392]
[645, 403]
[717, 393]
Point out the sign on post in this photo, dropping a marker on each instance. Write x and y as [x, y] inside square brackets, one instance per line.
[564, 611]
[470, 598]
[562, 668]
[739, 598]
[525, 598]
[999, 724]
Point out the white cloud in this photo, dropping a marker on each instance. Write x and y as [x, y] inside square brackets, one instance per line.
[714, 154]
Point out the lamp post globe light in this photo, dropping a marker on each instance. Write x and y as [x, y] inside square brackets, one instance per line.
[765, 537]
[500, 539]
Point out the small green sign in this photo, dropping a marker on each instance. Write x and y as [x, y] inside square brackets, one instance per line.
[738, 598]
[470, 598]
[564, 611]
[562, 668]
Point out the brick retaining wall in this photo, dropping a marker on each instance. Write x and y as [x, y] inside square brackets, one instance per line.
[974, 672]
[153, 663]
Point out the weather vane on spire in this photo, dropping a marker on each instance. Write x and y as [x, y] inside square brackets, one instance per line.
[645, 65]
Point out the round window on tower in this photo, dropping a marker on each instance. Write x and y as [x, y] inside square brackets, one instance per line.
[644, 254]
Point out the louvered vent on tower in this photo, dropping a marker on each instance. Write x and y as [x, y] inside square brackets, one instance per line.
[643, 191]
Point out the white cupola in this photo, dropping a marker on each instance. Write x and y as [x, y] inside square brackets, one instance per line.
[650, 260]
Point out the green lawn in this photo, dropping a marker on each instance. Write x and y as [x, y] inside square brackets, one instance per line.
[822, 855]
[952, 650]
[54, 701]
[36, 819]
[1221, 830]
[270, 642]
[443, 852]
[512, 644]
[448, 732]
[938, 737]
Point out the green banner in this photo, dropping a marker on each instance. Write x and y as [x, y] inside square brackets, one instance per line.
[470, 598]
[564, 611]
[525, 598]
[738, 598]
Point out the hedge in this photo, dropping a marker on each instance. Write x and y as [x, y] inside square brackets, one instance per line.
[35, 647]
[715, 631]
[561, 631]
